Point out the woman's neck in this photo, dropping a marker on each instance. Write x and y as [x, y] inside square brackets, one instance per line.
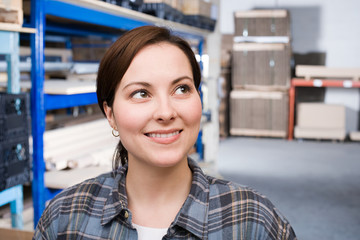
[157, 193]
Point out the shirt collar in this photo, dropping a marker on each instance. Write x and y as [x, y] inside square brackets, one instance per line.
[193, 215]
[117, 200]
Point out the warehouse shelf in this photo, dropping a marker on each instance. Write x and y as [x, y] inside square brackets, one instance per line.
[9, 38]
[59, 16]
[299, 82]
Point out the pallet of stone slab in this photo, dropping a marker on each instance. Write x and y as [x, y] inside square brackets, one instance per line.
[311, 71]
[259, 113]
[262, 23]
[354, 136]
[320, 121]
[261, 64]
[11, 12]
[80, 145]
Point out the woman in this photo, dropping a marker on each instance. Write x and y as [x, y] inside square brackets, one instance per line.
[147, 87]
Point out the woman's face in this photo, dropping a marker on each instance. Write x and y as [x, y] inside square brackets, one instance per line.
[157, 109]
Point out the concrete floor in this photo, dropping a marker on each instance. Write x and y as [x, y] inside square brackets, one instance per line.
[316, 185]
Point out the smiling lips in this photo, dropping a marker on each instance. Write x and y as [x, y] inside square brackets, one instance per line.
[164, 137]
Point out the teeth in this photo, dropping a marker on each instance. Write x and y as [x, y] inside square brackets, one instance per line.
[158, 135]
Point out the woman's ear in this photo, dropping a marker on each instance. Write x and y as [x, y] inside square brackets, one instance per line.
[109, 115]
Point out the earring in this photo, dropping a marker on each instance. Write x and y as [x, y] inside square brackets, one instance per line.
[115, 133]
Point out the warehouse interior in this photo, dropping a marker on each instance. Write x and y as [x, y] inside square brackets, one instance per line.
[280, 97]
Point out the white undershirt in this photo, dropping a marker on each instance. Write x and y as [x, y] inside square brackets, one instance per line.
[148, 233]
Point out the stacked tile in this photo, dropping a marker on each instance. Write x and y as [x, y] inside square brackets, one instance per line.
[260, 73]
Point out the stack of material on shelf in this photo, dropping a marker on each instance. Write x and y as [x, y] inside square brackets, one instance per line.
[324, 121]
[165, 9]
[81, 145]
[261, 113]
[15, 163]
[320, 121]
[78, 152]
[260, 73]
[89, 49]
[11, 12]
[199, 13]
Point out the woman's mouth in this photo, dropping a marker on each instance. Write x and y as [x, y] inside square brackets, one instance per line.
[162, 135]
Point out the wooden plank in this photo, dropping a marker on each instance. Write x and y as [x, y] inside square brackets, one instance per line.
[310, 71]
[68, 178]
[244, 94]
[318, 133]
[262, 88]
[259, 46]
[15, 28]
[280, 13]
[257, 132]
[61, 86]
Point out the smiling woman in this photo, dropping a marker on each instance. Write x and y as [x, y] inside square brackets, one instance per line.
[147, 88]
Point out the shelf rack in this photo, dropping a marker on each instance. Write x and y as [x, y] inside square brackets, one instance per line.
[9, 38]
[97, 13]
[299, 82]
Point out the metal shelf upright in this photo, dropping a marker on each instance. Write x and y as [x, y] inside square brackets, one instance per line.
[97, 13]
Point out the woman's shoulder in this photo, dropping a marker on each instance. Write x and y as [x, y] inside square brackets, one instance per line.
[234, 206]
[89, 188]
[237, 191]
[80, 196]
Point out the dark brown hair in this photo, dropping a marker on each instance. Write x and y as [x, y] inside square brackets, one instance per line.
[117, 60]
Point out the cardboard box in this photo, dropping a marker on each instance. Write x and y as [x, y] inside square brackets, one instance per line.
[11, 11]
[15, 234]
[355, 136]
[226, 49]
[259, 113]
[261, 64]
[262, 23]
[320, 121]
[196, 7]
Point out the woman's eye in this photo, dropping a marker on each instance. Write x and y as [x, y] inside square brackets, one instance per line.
[182, 89]
[140, 94]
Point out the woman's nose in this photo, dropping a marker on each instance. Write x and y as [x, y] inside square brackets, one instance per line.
[164, 110]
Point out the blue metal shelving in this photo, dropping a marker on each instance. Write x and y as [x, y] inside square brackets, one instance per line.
[87, 12]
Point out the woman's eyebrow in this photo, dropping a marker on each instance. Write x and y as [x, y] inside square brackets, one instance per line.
[145, 84]
[175, 81]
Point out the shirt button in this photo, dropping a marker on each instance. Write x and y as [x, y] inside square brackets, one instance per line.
[126, 214]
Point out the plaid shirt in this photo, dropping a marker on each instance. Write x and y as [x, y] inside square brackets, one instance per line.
[215, 209]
